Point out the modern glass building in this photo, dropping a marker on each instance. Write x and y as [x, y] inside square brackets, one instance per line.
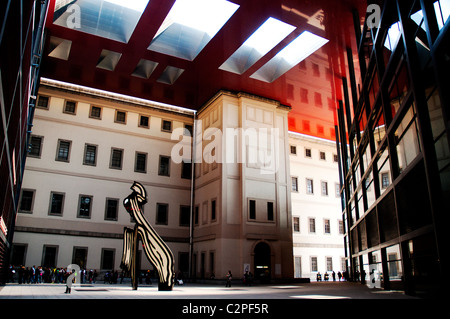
[394, 149]
[368, 75]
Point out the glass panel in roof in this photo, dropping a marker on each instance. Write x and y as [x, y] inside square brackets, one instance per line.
[393, 36]
[442, 10]
[295, 52]
[264, 39]
[190, 25]
[112, 19]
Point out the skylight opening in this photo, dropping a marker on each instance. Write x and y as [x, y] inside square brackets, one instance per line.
[264, 39]
[136, 5]
[111, 19]
[393, 36]
[190, 25]
[295, 52]
[442, 10]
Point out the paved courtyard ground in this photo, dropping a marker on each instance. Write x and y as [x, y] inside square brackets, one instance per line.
[206, 301]
[314, 290]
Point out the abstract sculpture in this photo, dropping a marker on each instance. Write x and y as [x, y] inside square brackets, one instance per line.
[156, 250]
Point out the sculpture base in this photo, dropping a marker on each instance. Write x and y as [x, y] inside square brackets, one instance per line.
[163, 286]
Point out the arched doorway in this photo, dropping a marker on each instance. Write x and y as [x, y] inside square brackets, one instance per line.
[262, 262]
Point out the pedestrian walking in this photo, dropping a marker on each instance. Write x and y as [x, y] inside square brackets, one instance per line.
[229, 277]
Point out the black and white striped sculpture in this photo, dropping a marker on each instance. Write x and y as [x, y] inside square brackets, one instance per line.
[156, 250]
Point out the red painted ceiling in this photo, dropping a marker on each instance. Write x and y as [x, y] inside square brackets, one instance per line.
[299, 88]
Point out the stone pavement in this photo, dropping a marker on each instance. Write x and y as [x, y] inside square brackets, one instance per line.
[314, 290]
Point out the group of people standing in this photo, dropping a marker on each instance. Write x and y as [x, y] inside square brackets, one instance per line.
[326, 277]
[39, 275]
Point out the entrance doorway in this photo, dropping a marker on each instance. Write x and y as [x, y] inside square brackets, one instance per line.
[262, 262]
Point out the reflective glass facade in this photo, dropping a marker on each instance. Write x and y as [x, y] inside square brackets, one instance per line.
[395, 168]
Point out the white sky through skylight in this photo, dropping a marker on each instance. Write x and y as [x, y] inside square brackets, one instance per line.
[137, 5]
[190, 25]
[295, 52]
[204, 15]
[269, 34]
[265, 38]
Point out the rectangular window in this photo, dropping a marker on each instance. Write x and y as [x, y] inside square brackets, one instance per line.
[166, 126]
[196, 214]
[205, 212]
[408, 146]
[303, 95]
[43, 102]
[313, 263]
[316, 70]
[323, 156]
[49, 256]
[116, 158]
[324, 188]
[296, 223]
[164, 166]
[337, 189]
[318, 99]
[162, 212]
[270, 211]
[56, 203]
[294, 181]
[107, 261]
[329, 264]
[90, 155]
[140, 165]
[252, 209]
[385, 180]
[341, 227]
[293, 150]
[312, 225]
[185, 214]
[26, 201]
[186, 170]
[79, 256]
[327, 227]
[34, 149]
[63, 151]
[213, 210]
[144, 121]
[309, 186]
[308, 152]
[70, 107]
[96, 112]
[188, 130]
[121, 117]
[112, 208]
[335, 158]
[84, 206]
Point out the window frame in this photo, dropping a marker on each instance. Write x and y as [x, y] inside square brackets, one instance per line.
[116, 120]
[117, 200]
[58, 147]
[80, 197]
[50, 206]
[157, 215]
[85, 162]
[163, 173]
[93, 116]
[74, 112]
[136, 170]
[111, 162]
[33, 195]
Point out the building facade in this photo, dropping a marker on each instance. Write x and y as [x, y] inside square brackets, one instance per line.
[86, 151]
[316, 216]
[395, 168]
[87, 148]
